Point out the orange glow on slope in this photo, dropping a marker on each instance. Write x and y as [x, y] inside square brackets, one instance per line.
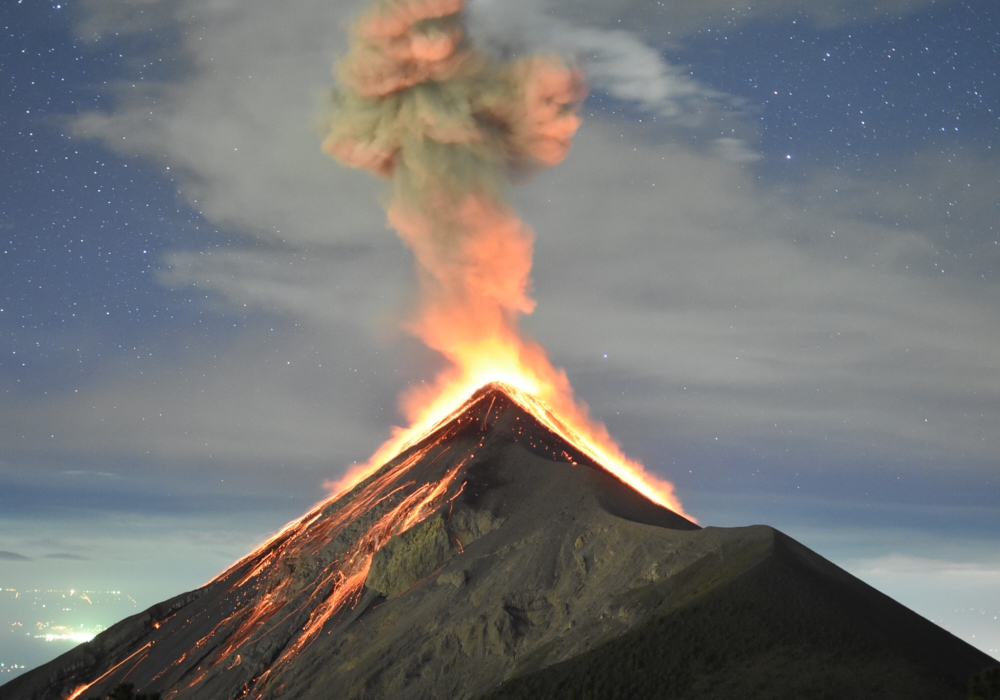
[413, 509]
[551, 404]
[446, 124]
[337, 588]
[269, 599]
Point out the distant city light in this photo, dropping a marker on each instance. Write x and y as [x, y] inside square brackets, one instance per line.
[40, 624]
[78, 637]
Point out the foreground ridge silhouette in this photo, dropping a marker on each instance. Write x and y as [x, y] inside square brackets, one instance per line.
[494, 558]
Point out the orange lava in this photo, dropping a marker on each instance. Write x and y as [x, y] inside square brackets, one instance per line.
[84, 688]
[552, 405]
[332, 591]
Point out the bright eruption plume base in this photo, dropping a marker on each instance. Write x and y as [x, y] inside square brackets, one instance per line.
[573, 425]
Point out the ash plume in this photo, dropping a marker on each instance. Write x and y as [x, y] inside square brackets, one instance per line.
[448, 126]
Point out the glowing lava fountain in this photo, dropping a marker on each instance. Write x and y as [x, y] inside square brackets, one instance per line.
[447, 126]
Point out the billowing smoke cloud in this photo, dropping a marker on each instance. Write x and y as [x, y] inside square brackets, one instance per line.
[448, 126]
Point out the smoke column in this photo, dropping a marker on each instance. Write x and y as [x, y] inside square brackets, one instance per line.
[448, 126]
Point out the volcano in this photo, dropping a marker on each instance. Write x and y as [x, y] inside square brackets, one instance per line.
[493, 558]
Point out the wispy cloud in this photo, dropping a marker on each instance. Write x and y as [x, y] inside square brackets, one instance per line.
[739, 311]
[12, 556]
[903, 564]
[64, 556]
[668, 20]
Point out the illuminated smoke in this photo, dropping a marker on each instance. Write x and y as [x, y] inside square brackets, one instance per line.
[448, 126]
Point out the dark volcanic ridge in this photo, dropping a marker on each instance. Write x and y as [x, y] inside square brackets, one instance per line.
[493, 556]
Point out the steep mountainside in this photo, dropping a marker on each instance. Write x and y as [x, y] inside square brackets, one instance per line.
[494, 551]
[775, 622]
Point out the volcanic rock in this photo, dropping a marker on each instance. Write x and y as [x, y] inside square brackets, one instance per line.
[493, 558]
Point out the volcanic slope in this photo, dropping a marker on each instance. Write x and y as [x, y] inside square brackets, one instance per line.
[494, 552]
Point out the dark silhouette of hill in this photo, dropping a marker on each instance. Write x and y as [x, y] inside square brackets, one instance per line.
[494, 559]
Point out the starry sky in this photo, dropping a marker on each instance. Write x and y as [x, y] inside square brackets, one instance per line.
[770, 265]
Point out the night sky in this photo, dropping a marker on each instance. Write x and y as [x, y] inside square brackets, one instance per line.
[771, 265]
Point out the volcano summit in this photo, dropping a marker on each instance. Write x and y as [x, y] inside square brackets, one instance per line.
[494, 558]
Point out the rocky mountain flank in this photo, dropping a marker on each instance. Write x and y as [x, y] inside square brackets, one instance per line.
[495, 559]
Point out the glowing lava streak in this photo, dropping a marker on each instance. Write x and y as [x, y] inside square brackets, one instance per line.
[447, 125]
[84, 688]
[401, 504]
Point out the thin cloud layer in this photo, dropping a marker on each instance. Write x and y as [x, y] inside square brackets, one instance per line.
[671, 19]
[184, 554]
[958, 595]
[616, 62]
[766, 311]
[299, 401]
[236, 129]
[13, 556]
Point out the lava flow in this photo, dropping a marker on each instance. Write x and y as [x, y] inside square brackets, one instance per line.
[274, 603]
[447, 125]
